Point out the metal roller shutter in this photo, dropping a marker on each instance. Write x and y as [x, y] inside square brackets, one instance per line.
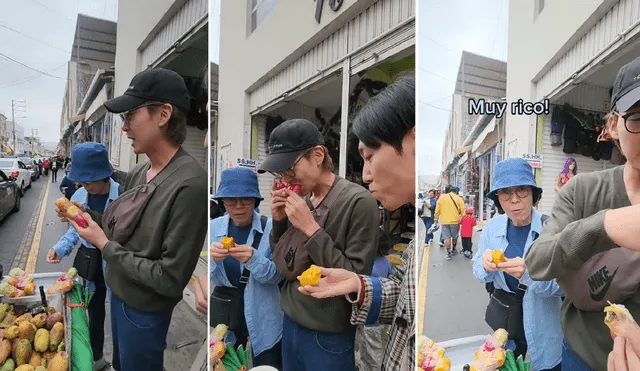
[392, 44]
[264, 180]
[194, 144]
[554, 159]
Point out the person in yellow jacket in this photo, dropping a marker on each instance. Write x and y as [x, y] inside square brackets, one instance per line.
[449, 210]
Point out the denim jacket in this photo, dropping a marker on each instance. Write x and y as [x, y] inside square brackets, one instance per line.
[542, 301]
[69, 240]
[262, 295]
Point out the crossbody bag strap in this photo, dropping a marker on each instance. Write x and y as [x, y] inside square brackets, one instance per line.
[334, 193]
[244, 278]
[455, 205]
[171, 168]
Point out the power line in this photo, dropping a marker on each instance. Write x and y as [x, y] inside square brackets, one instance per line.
[431, 105]
[31, 68]
[438, 43]
[33, 38]
[29, 79]
[495, 34]
[435, 74]
[51, 10]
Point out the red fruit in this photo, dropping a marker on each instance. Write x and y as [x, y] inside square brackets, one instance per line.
[489, 346]
[81, 221]
[297, 188]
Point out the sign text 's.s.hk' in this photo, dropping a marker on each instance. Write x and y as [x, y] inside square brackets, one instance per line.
[335, 5]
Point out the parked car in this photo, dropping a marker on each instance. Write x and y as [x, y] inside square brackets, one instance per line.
[17, 171]
[9, 196]
[33, 167]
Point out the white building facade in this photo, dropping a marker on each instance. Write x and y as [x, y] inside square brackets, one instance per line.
[579, 47]
[282, 59]
[172, 34]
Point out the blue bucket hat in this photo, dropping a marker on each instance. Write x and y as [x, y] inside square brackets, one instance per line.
[238, 182]
[90, 163]
[512, 172]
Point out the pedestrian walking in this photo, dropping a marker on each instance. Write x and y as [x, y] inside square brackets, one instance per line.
[46, 165]
[466, 232]
[450, 209]
[428, 213]
[150, 262]
[54, 171]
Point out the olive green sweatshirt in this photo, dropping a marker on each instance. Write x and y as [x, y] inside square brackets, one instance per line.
[574, 233]
[348, 240]
[152, 269]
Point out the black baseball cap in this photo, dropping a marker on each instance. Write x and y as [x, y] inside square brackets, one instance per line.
[152, 85]
[287, 141]
[626, 89]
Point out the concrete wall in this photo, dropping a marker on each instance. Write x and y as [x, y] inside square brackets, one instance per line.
[133, 29]
[284, 35]
[534, 44]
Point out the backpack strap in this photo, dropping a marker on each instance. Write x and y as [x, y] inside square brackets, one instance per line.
[244, 278]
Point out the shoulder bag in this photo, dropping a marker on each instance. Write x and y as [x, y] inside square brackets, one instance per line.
[123, 215]
[227, 303]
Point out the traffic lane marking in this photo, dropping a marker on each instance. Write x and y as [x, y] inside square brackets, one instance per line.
[35, 245]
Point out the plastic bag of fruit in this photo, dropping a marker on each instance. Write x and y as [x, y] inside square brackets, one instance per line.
[491, 355]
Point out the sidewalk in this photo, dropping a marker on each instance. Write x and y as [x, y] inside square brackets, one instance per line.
[188, 330]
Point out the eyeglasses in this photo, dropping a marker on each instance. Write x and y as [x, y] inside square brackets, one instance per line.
[505, 194]
[631, 121]
[126, 116]
[290, 171]
[234, 201]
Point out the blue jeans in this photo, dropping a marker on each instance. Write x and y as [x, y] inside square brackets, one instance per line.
[428, 222]
[141, 336]
[571, 361]
[307, 350]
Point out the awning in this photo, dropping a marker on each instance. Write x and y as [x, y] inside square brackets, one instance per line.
[463, 159]
[461, 150]
[74, 119]
[487, 130]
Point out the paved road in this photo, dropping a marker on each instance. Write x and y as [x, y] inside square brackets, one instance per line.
[25, 238]
[455, 300]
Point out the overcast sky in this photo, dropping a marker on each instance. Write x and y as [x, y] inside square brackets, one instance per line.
[445, 29]
[214, 31]
[38, 35]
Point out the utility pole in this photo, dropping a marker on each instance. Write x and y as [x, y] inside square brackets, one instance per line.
[17, 106]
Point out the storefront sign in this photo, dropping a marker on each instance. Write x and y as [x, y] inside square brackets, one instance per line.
[534, 159]
[335, 5]
[251, 164]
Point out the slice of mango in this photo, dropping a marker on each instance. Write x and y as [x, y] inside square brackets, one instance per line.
[498, 257]
[310, 277]
[228, 242]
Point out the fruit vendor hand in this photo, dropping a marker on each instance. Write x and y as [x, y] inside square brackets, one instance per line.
[52, 257]
[241, 253]
[278, 203]
[218, 252]
[623, 357]
[487, 261]
[62, 214]
[93, 233]
[514, 267]
[334, 282]
[299, 214]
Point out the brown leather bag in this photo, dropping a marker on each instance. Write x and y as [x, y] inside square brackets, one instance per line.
[290, 254]
[123, 215]
[612, 276]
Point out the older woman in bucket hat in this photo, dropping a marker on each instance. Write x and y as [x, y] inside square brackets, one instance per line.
[533, 319]
[92, 170]
[246, 296]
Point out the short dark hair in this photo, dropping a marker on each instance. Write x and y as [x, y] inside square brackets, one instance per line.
[176, 126]
[327, 162]
[388, 116]
[536, 192]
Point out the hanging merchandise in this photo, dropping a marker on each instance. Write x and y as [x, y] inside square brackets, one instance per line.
[558, 119]
[571, 128]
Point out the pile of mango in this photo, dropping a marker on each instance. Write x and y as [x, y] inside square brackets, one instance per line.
[32, 343]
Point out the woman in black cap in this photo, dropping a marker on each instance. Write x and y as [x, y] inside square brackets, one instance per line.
[386, 129]
[594, 215]
[334, 225]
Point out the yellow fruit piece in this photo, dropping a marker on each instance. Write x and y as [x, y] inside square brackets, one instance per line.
[218, 350]
[439, 353]
[443, 365]
[310, 277]
[501, 336]
[500, 356]
[220, 331]
[26, 330]
[394, 259]
[400, 247]
[617, 315]
[12, 333]
[25, 368]
[56, 336]
[498, 257]
[228, 242]
[41, 341]
[30, 289]
[59, 363]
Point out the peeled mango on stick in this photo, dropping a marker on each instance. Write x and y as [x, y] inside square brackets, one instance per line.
[59, 363]
[72, 211]
[56, 336]
[498, 257]
[228, 242]
[617, 317]
[310, 277]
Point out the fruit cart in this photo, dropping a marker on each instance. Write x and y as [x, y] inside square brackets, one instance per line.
[47, 313]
